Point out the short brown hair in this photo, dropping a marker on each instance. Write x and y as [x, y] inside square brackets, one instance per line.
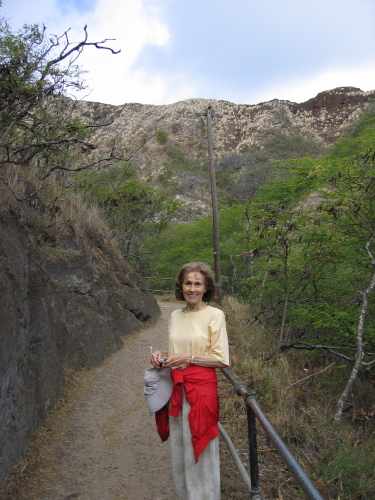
[209, 280]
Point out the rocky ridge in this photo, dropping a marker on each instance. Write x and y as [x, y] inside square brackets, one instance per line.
[237, 127]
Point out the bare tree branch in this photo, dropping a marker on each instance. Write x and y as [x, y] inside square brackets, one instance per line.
[77, 48]
[330, 349]
[312, 375]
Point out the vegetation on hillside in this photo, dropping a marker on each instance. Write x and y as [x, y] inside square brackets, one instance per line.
[298, 394]
[133, 210]
[48, 159]
[301, 251]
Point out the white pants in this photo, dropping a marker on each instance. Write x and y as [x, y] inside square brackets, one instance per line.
[193, 481]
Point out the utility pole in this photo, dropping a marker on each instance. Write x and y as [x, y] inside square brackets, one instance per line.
[215, 217]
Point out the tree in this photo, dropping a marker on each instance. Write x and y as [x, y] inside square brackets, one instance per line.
[355, 201]
[287, 269]
[39, 125]
[333, 247]
[134, 210]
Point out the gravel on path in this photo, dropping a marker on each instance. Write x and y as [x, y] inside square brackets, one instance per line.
[110, 449]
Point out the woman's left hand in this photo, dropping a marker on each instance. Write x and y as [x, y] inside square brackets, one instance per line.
[176, 360]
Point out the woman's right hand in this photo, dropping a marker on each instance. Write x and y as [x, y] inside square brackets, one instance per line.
[155, 359]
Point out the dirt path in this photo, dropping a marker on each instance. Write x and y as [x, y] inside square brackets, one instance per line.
[111, 450]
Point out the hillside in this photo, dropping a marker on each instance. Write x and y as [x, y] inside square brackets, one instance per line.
[239, 126]
[250, 136]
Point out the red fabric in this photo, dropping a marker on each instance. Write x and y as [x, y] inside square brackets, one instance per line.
[162, 422]
[200, 386]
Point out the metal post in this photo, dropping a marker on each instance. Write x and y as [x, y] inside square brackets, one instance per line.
[253, 454]
[240, 466]
[298, 473]
[296, 470]
[215, 216]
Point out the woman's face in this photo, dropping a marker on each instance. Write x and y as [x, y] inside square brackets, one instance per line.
[193, 288]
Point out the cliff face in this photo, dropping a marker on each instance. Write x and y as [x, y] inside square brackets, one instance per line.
[236, 128]
[61, 306]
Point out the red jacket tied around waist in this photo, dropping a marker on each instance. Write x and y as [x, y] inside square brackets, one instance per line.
[200, 386]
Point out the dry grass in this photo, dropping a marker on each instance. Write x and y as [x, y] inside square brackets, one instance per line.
[30, 476]
[51, 209]
[83, 216]
[167, 297]
[340, 459]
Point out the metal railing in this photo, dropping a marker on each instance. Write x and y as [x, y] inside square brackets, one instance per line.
[254, 412]
[156, 290]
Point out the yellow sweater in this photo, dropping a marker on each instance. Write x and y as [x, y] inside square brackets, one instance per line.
[199, 333]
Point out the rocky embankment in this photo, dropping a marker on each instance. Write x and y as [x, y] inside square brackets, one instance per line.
[64, 305]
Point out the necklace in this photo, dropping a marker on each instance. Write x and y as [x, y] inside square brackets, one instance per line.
[186, 310]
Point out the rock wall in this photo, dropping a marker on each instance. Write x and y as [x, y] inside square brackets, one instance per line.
[63, 305]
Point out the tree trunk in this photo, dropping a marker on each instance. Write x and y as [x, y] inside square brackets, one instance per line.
[359, 355]
[286, 249]
[282, 328]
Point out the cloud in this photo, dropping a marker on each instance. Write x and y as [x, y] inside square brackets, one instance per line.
[245, 51]
[113, 78]
[133, 24]
[306, 88]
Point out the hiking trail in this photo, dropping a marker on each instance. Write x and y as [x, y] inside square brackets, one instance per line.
[110, 449]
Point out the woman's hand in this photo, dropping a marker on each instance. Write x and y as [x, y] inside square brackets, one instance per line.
[155, 359]
[176, 360]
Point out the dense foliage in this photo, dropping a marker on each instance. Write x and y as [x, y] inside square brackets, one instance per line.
[133, 209]
[301, 249]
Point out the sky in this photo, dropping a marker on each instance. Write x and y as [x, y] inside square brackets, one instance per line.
[242, 51]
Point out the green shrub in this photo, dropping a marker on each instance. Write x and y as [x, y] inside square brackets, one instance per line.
[161, 137]
[349, 470]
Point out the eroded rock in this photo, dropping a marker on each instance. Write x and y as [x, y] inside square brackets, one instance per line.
[63, 305]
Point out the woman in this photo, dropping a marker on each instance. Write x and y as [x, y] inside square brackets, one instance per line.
[198, 344]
